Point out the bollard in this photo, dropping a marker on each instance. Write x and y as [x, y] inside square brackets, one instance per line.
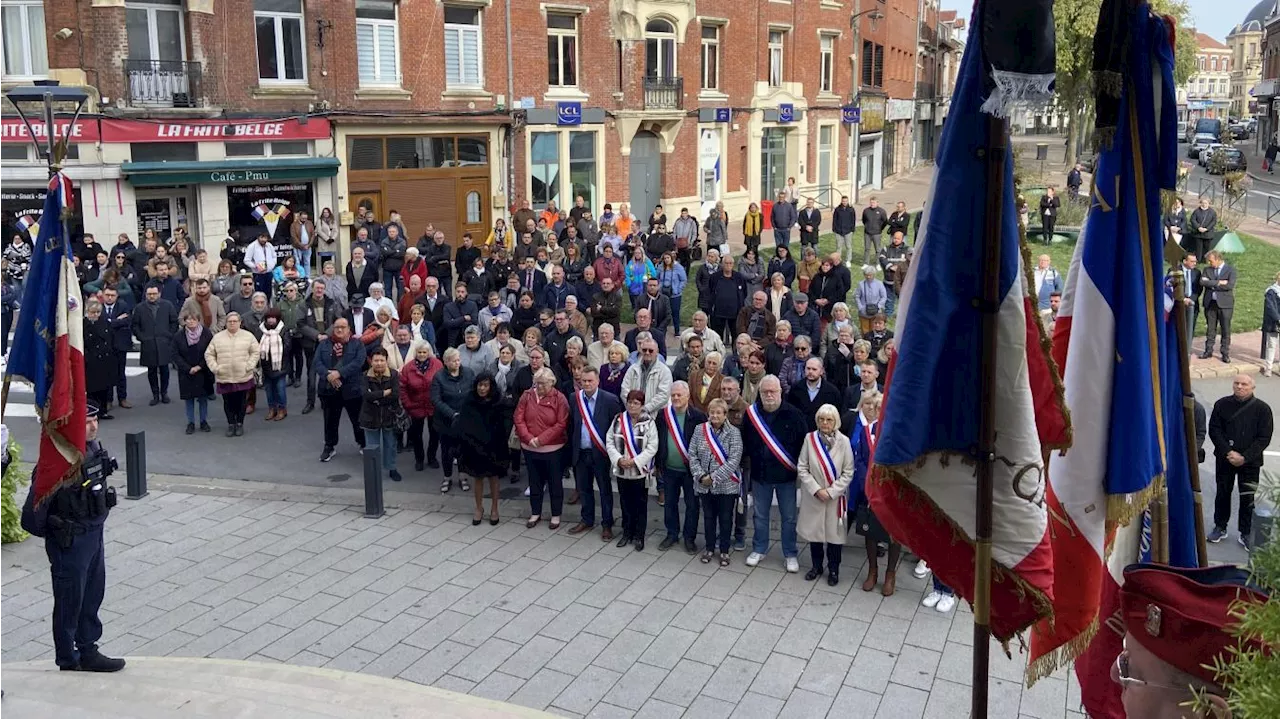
[373, 483]
[135, 460]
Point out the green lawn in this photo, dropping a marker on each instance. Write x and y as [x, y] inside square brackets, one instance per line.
[1255, 270]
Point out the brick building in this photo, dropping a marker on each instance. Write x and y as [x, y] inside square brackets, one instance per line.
[1207, 93]
[216, 113]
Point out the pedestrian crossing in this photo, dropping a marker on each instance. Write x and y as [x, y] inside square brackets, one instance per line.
[22, 394]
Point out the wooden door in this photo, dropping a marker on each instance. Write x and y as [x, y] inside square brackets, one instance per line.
[370, 198]
[473, 208]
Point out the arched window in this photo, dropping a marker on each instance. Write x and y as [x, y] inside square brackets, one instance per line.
[659, 49]
[473, 208]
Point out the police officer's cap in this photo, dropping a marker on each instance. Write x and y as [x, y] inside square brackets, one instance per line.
[91, 409]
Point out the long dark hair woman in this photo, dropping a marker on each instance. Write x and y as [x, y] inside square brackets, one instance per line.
[482, 449]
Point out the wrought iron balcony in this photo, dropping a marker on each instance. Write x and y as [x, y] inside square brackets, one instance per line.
[664, 93]
[163, 83]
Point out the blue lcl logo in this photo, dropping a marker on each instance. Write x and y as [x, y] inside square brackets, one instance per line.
[852, 115]
[786, 112]
[723, 114]
[569, 113]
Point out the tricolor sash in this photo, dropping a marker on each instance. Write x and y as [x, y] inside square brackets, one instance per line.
[770, 441]
[594, 433]
[673, 429]
[717, 449]
[828, 466]
[629, 438]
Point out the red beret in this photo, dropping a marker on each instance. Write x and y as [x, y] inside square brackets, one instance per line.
[1183, 615]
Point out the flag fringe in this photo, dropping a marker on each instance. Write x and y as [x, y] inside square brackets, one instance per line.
[900, 475]
[1017, 89]
[1124, 508]
[1046, 348]
[1064, 655]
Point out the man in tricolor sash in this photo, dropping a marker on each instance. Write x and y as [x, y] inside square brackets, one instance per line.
[591, 411]
[773, 434]
[676, 423]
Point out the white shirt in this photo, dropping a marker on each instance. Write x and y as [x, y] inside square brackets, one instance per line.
[375, 305]
[1040, 278]
[258, 253]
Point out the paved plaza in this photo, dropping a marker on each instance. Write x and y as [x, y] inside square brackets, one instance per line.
[539, 619]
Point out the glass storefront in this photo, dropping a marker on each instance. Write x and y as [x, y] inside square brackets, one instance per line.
[255, 209]
[22, 209]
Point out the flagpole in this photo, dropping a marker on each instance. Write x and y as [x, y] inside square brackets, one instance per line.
[1189, 413]
[989, 304]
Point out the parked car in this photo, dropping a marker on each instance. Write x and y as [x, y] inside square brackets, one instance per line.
[1232, 160]
[1200, 142]
[1182, 131]
[1240, 131]
[1206, 153]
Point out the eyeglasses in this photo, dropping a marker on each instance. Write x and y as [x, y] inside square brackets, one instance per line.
[1129, 682]
[648, 352]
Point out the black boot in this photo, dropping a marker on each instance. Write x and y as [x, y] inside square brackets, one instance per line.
[311, 407]
[626, 539]
[95, 661]
[191, 427]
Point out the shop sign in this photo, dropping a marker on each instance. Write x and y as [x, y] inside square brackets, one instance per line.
[899, 110]
[232, 176]
[873, 109]
[123, 131]
[786, 112]
[850, 114]
[268, 208]
[23, 208]
[569, 113]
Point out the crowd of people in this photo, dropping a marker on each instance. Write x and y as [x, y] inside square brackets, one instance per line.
[769, 396]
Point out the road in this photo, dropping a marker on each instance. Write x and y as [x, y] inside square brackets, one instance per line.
[1260, 191]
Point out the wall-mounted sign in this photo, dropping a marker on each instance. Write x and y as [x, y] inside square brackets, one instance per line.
[117, 130]
[715, 114]
[786, 112]
[850, 114]
[723, 114]
[526, 103]
[872, 114]
[569, 113]
[899, 110]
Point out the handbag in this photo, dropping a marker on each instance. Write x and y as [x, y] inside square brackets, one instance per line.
[513, 439]
[403, 420]
[862, 520]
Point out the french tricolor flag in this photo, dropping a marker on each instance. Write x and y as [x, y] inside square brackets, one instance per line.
[260, 212]
[26, 222]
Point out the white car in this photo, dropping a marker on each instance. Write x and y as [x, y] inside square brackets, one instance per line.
[1199, 142]
[1206, 153]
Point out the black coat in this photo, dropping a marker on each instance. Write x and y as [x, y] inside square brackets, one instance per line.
[1244, 426]
[378, 411]
[437, 259]
[357, 291]
[606, 410]
[155, 334]
[121, 328]
[484, 451]
[100, 359]
[828, 393]
[788, 425]
[185, 356]
[309, 330]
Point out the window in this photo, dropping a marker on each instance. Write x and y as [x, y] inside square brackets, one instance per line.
[473, 208]
[827, 49]
[872, 64]
[281, 49]
[155, 30]
[710, 57]
[472, 151]
[377, 43]
[267, 149]
[365, 153]
[825, 166]
[1213, 63]
[659, 49]
[544, 159]
[163, 151]
[775, 58]
[562, 50]
[416, 153]
[25, 52]
[27, 152]
[463, 64]
[1202, 65]
[582, 166]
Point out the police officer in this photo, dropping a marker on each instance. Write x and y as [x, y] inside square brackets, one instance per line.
[70, 520]
[1178, 623]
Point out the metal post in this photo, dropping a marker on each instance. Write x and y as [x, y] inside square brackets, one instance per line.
[997, 146]
[135, 461]
[373, 483]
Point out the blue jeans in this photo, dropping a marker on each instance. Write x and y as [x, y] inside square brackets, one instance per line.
[891, 300]
[303, 258]
[589, 472]
[940, 587]
[204, 410]
[673, 483]
[384, 439]
[675, 313]
[762, 495]
[276, 398]
[717, 519]
[391, 283]
[782, 237]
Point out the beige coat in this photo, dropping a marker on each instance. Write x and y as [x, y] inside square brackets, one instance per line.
[232, 358]
[819, 521]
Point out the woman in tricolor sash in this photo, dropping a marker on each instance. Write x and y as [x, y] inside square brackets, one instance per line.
[715, 459]
[632, 442]
[865, 431]
[825, 470]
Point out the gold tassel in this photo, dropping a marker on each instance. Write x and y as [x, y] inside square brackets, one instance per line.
[1124, 508]
[1062, 656]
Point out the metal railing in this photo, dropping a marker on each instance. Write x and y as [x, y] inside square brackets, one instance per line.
[824, 196]
[1273, 208]
[664, 93]
[163, 83]
[1208, 188]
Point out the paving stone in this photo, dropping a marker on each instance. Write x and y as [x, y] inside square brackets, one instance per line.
[760, 583]
[297, 640]
[209, 642]
[684, 586]
[636, 686]
[394, 660]
[526, 625]
[886, 634]
[435, 632]
[697, 613]
[713, 644]
[658, 709]
[560, 595]
[587, 689]
[825, 673]
[683, 684]
[569, 623]
[871, 670]
[852, 702]
[645, 589]
[391, 633]
[478, 631]
[350, 607]
[780, 608]
[758, 706]
[485, 660]
[803, 704]
[657, 615]
[667, 650]
[614, 618]
[520, 597]
[819, 606]
[455, 684]
[722, 586]
[353, 659]
[438, 601]
[436, 663]
[624, 651]
[1046, 700]
[801, 638]
[261, 614]
[166, 643]
[945, 699]
[541, 690]
[902, 702]
[498, 686]
[915, 667]
[756, 641]
[929, 630]
[633, 565]
[843, 636]
[604, 710]
[738, 611]
[778, 676]
[705, 707]
[532, 657]
[251, 643]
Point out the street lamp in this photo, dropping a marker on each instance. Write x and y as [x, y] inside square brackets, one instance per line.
[875, 16]
[43, 95]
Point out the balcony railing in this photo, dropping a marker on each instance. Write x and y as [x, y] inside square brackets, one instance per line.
[163, 83]
[664, 93]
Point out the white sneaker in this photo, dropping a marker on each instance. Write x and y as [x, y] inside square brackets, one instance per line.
[526, 491]
[921, 571]
[754, 558]
[793, 565]
[946, 604]
[931, 599]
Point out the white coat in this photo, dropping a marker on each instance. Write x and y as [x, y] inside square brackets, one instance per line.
[819, 521]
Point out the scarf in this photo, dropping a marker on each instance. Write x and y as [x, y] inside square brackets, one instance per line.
[827, 439]
[501, 377]
[206, 315]
[193, 335]
[272, 348]
[752, 223]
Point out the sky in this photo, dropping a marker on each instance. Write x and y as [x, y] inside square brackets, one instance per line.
[1215, 18]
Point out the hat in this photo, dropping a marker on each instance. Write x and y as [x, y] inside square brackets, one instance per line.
[1183, 616]
[800, 297]
[91, 409]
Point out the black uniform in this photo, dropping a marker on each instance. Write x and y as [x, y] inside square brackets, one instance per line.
[70, 521]
[1243, 426]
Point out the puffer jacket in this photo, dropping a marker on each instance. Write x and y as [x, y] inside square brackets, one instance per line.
[415, 388]
[449, 394]
[232, 358]
[378, 411]
[646, 433]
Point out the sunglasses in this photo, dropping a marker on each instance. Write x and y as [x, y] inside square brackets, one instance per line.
[1129, 682]
[648, 352]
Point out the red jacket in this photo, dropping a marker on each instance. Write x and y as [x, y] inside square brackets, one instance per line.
[415, 388]
[417, 267]
[609, 269]
[543, 417]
